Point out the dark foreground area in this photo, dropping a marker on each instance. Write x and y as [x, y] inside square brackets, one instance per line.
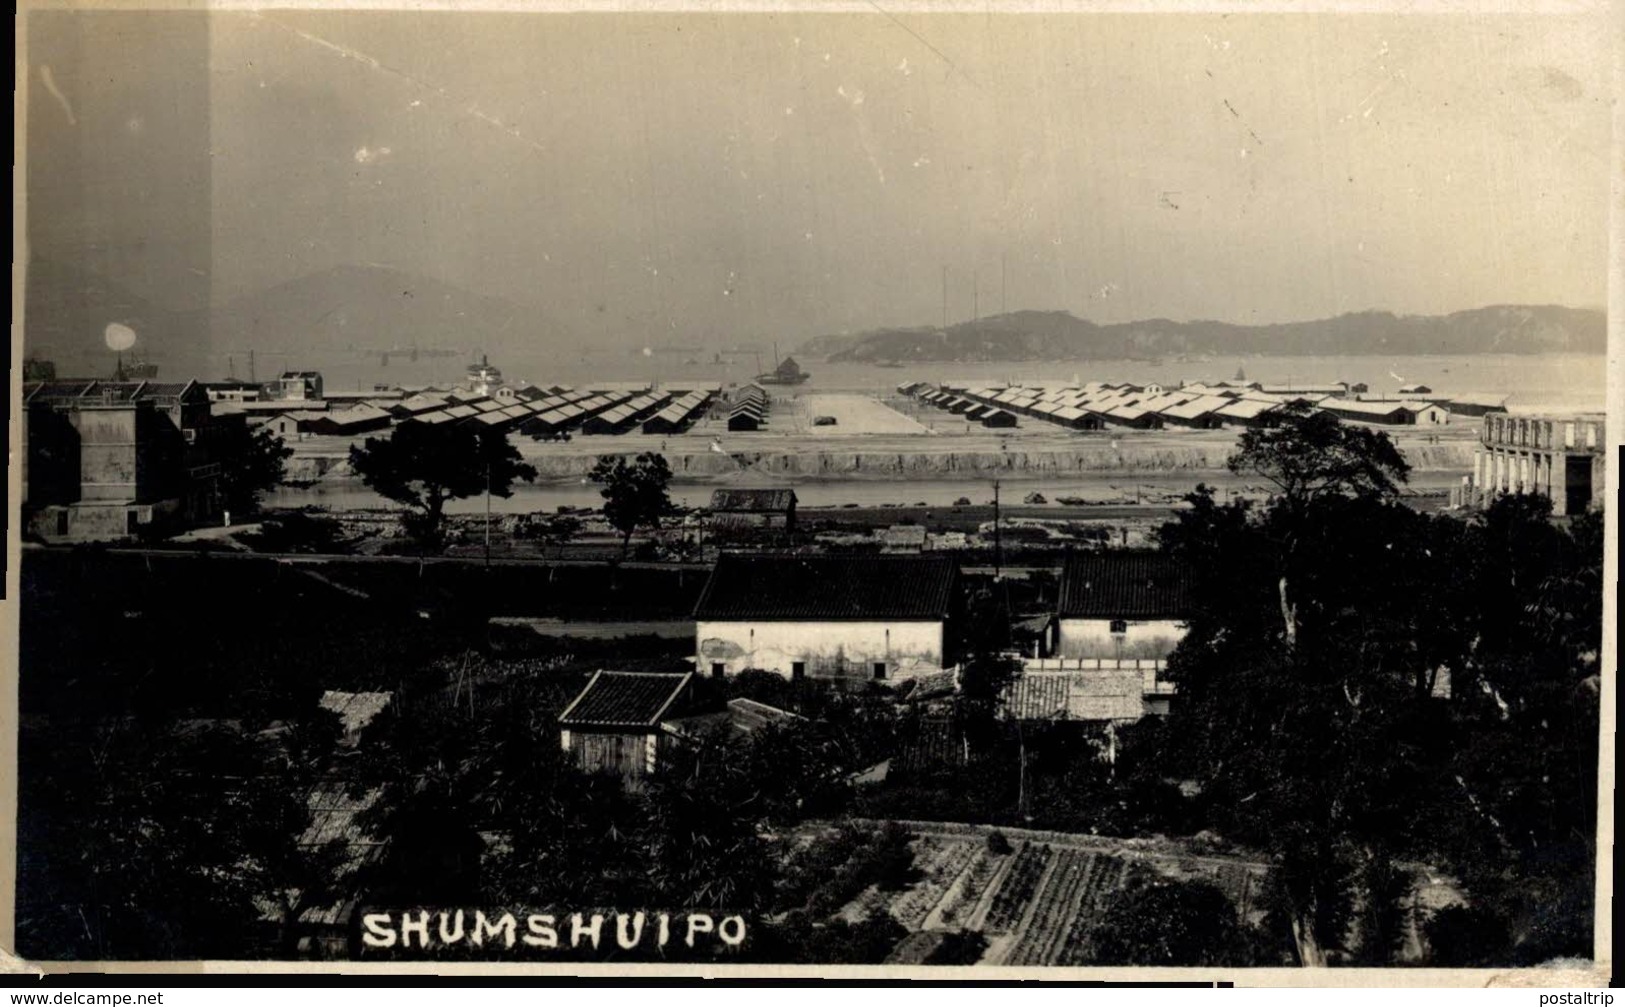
[184, 791]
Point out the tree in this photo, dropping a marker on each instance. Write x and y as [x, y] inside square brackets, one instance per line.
[634, 495]
[1322, 625]
[154, 839]
[1169, 923]
[1312, 453]
[702, 833]
[424, 466]
[251, 462]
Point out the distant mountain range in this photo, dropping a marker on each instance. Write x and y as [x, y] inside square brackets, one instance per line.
[373, 307]
[67, 311]
[1059, 335]
[367, 308]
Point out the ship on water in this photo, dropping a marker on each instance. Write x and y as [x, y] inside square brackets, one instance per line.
[484, 378]
[786, 372]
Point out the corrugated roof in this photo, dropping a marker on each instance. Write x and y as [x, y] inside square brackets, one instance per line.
[625, 699]
[1246, 409]
[791, 588]
[1124, 585]
[1197, 408]
[1350, 407]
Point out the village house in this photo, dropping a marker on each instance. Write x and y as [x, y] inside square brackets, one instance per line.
[1121, 605]
[614, 724]
[902, 538]
[754, 508]
[1090, 689]
[852, 619]
[628, 722]
[299, 386]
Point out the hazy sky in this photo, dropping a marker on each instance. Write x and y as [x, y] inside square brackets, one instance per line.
[749, 176]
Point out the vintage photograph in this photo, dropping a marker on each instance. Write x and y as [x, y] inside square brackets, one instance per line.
[897, 487]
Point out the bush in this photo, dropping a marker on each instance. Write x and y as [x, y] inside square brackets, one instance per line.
[997, 843]
[960, 947]
[1466, 937]
[1169, 923]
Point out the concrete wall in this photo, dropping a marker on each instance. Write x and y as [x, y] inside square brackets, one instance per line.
[108, 464]
[99, 521]
[1094, 638]
[846, 650]
[128, 453]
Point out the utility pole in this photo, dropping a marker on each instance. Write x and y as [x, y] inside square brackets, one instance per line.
[488, 514]
[1021, 779]
[944, 297]
[1004, 284]
[998, 545]
[975, 298]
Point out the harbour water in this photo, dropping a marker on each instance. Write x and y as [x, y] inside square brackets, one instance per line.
[1567, 380]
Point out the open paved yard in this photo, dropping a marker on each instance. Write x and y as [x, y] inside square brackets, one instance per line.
[853, 414]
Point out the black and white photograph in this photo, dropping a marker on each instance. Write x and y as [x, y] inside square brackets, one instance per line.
[869, 488]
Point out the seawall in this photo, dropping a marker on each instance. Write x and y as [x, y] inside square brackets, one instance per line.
[699, 466]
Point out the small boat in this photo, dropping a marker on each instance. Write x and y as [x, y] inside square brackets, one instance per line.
[788, 372]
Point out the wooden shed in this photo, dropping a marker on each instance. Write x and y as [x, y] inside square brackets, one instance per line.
[614, 724]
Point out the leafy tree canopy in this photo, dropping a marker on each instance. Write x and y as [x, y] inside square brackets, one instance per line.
[424, 466]
[634, 493]
[1312, 453]
[251, 462]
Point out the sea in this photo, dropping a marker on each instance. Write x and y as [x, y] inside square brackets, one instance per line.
[1569, 381]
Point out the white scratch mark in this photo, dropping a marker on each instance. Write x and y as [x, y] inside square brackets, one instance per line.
[49, 80]
[903, 68]
[375, 64]
[368, 155]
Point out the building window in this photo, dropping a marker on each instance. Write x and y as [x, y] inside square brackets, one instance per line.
[718, 669]
[1119, 627]
[880, 671]
[798, 670]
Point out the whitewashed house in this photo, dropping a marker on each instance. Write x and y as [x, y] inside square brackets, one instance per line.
[1121, 605]
[854, 618]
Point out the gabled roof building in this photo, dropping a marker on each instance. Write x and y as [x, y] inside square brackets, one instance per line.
[1121, 604]
[849, 618]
